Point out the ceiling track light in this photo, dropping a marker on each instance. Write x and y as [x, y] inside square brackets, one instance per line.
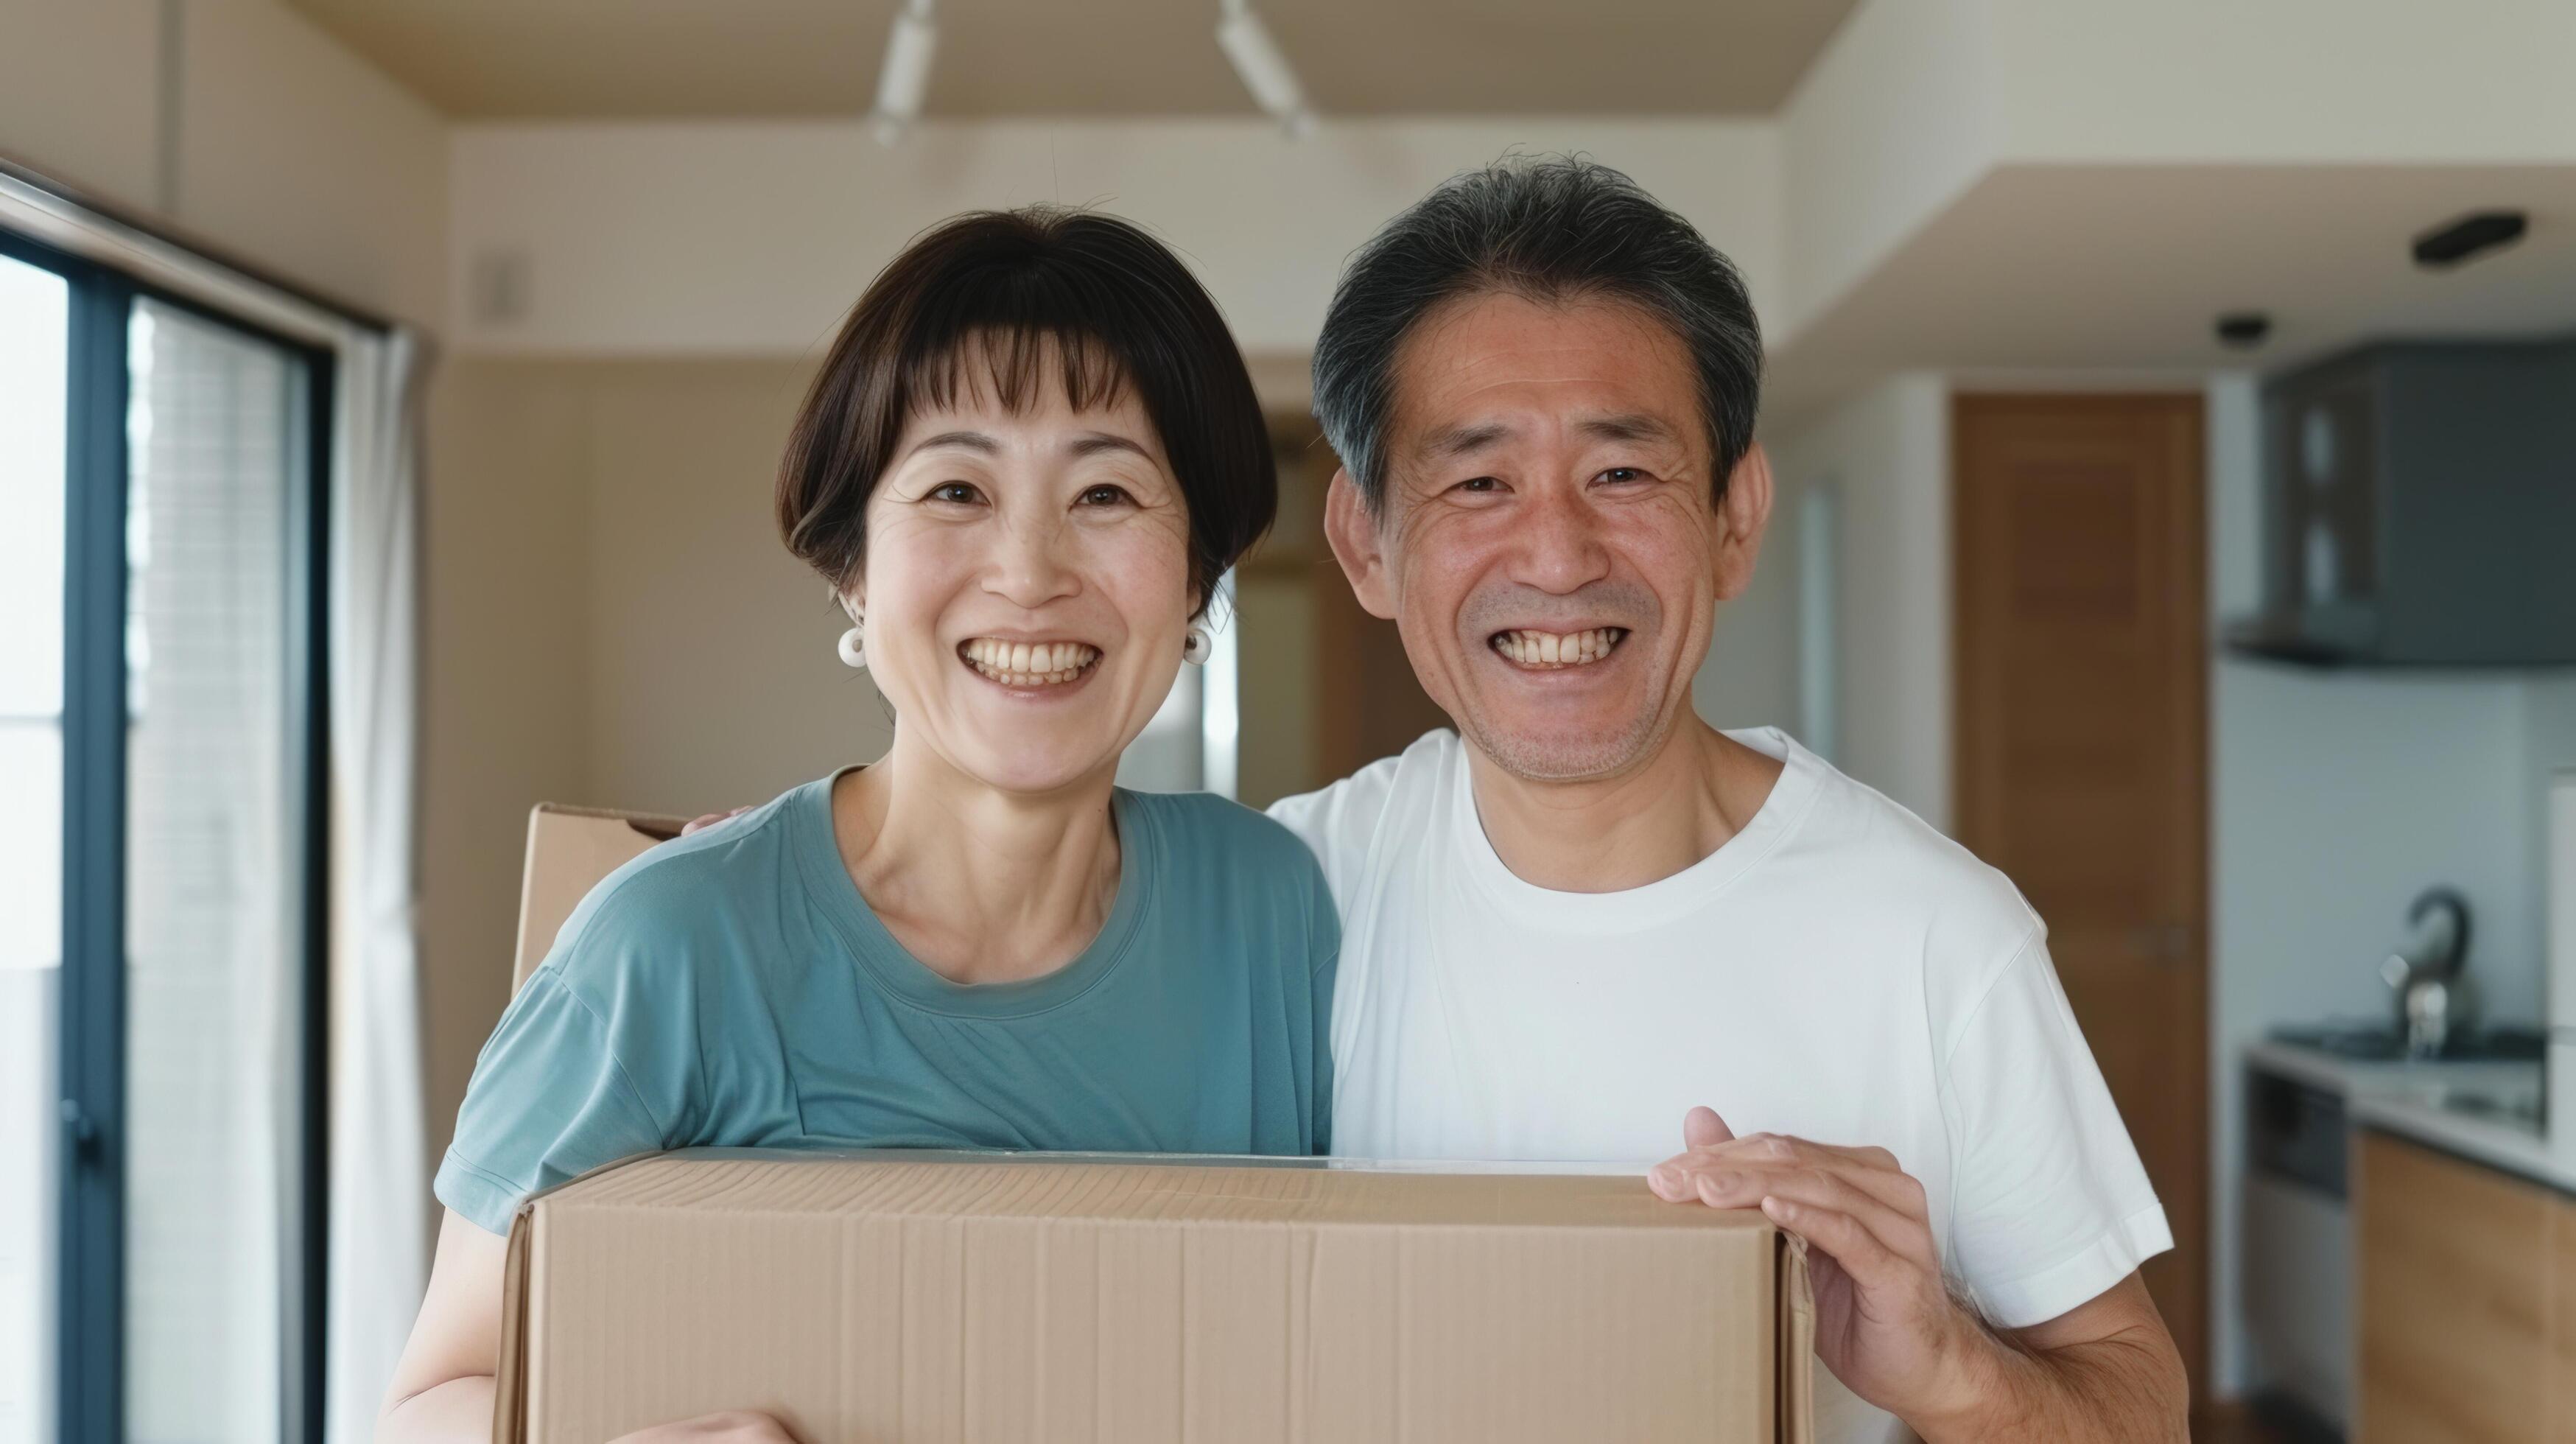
[910, 43]
[1263, 65]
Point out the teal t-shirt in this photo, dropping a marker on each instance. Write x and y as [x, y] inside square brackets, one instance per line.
[733, 989]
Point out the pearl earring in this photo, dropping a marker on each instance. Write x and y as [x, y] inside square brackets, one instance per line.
[854, 648]
[1196, 645]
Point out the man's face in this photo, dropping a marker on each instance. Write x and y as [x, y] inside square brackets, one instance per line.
[1546, 544]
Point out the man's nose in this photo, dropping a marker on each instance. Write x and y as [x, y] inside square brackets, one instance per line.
[1561, 547]
[1032, 567]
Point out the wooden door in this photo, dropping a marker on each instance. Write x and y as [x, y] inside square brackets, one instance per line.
[2081, 750]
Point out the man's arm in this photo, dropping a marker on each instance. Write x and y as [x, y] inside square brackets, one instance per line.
[1888, 1327]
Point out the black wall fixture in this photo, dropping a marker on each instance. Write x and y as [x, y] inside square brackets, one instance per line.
[2244, 330]
[2469, 237]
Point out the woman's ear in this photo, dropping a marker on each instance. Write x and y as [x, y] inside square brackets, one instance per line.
[851, 599]
[1353, 531]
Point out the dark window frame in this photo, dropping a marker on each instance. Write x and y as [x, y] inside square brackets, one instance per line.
[90, 1292]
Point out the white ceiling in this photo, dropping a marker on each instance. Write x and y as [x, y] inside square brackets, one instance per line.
[2044, 268]
[489, 59]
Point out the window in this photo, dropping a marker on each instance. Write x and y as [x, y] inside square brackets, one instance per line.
[160, 946]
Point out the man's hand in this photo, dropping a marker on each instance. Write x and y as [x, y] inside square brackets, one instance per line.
[1887, 1326]
[710, 819]
[1885, 1322]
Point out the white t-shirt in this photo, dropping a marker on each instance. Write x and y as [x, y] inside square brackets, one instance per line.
[1838, 970]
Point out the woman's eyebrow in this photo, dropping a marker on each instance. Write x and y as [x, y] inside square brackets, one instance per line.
[971, 440]
[1093, 443]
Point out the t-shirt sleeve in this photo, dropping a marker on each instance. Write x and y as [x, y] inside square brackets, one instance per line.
[2051, 1205]
[555, 1094]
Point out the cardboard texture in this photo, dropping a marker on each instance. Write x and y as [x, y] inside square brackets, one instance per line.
[895, 1298]
[569, 850]
[903, 1298]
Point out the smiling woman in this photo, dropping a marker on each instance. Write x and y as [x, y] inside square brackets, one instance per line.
[1029, 457]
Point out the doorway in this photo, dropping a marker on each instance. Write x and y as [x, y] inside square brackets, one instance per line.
[2082, 750]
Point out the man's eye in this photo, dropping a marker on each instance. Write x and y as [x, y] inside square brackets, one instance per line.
[958, 492]
[1623, 473]
[1105, 495]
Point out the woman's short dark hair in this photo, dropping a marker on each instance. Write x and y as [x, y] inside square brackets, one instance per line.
[1550, 228]
[1011, 292]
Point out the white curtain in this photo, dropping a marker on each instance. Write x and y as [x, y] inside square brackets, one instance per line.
[379, 1214]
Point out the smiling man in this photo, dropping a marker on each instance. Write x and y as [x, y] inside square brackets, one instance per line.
[1586, 911]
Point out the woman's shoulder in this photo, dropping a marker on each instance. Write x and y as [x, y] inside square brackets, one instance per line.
[1207, 820]
[669, 906]
[1201, 831]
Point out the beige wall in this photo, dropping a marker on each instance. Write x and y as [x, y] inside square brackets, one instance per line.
[611, 621]
[291, 152]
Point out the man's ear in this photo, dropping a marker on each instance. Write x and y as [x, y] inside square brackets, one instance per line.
[1352, 530]
[1741, 520]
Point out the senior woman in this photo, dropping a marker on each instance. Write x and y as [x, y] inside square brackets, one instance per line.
[1030, 454]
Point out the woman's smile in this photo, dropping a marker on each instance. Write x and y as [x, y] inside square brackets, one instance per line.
[1022, 666]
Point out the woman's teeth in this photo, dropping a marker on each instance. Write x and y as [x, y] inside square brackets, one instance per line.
[1558, 649]
[1028, 664]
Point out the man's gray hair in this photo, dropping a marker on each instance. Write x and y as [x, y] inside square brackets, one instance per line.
[1550, 228]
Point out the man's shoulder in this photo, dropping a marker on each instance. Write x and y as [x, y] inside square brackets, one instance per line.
[1887, 859]
[1361, 799]
[1341, 821]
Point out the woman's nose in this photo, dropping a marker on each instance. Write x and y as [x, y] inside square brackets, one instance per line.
[1032, 568]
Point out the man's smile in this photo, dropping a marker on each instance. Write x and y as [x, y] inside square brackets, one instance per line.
[1538, 651]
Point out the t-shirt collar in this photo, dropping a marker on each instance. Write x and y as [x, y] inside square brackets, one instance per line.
[1657, 902]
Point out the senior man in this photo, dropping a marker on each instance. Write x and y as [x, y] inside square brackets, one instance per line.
[1586, 912]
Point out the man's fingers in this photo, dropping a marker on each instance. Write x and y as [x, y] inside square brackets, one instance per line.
[1870, 1263]
[1702, 1128]
[709, 820]
[1733, 1178]
[1781, 1148]
[1907, 1236]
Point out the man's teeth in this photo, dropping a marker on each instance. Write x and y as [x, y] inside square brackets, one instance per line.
[1028, 664]
[1558, 649]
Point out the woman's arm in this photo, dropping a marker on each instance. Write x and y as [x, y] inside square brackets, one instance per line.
[442, 1389]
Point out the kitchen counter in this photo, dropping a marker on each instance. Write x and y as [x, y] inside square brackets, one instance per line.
[2473, 1111]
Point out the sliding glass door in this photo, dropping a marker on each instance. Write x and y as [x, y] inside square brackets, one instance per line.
[34, 358]
[161, 1119]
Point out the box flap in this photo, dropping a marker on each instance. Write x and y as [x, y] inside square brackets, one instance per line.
[1797, 1347]
[510, 1374]
[569, 850]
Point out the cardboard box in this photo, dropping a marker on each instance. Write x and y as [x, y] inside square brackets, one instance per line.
[569, 850]
[902, 1297]
[1125, 1300]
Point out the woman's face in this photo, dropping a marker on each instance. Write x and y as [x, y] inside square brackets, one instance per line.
[1027, 590]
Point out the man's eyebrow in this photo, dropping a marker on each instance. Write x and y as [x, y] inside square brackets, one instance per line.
[1094, 443]
[1463, 438]
[1631, 426]
[971, 440]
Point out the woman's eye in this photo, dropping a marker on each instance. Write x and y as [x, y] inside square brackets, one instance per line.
[1481, 484]
[1105, 495]
[958, 492]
